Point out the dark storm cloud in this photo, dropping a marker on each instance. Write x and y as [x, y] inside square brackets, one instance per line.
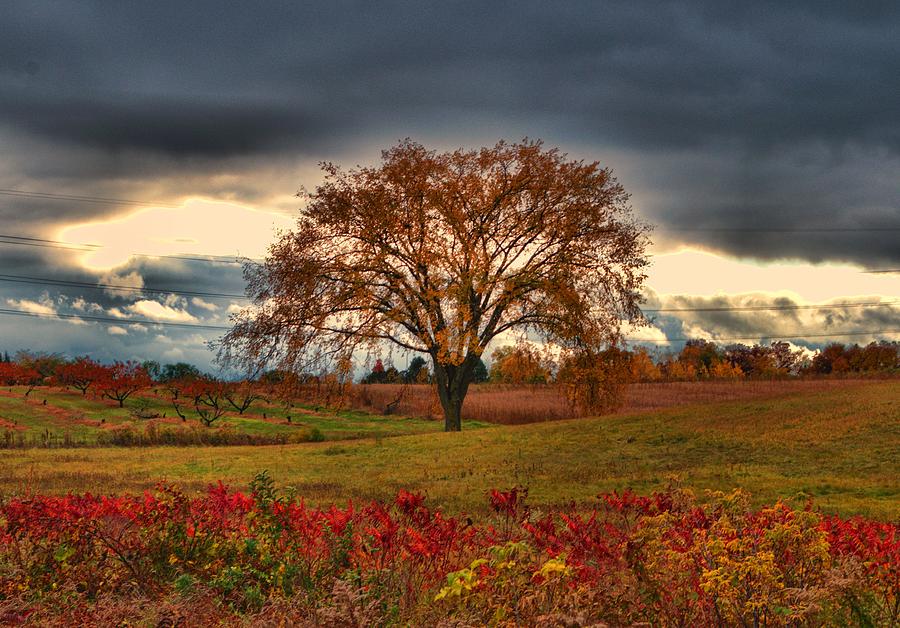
[658, 74]
[209, 129]
[724, 119]
[766, 114]
[756, 318]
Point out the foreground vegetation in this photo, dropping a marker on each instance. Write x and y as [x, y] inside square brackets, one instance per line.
[269, 558]
[778, 505]
[839, 446]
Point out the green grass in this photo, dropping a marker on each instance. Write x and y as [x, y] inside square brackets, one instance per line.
[84, 417]
[840, 447]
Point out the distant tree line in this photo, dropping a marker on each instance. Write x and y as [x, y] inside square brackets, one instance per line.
[702, 359]
[416, 373]
[523, 363]
[197, 395]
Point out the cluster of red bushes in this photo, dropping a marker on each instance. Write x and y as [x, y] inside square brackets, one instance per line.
[665, 559]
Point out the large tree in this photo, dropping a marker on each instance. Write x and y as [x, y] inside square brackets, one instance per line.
[439, 253]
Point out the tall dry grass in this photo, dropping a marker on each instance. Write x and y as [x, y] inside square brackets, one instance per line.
[510, 405]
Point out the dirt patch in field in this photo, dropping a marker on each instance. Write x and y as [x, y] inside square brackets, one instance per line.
[60, 416]
[6, 424]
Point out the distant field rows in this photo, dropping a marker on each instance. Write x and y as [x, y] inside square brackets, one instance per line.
[506, 404]
[836, 443]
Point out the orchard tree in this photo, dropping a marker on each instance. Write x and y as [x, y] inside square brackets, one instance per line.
[439, 253]
[81, 373]
[206, 396]
[121, 380]
[15, 374]
[241, 395]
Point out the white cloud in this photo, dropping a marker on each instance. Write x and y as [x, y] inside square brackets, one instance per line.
[234, 308]
[32, 306]
[173, 354]
[697, 332]
[650, 334]
[115, 330]
[158, 311]
[206, 305]
[86, 306]
[130, 280]
[173, 300]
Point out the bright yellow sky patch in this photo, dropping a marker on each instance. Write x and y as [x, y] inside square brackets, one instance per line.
[700, 273]
[199, 227]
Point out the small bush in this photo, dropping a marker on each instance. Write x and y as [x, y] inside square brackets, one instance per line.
[316, 435]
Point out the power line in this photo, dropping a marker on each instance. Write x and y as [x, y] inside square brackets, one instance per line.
[103, 286]
[80, 198]
[883, 271]
[90, 248]
[132, 321]
[781, 229]
[45, 240]
[880, 332]
[750, 308]
[122, 201]
[109, 320]
[48, 244]
[763, 308]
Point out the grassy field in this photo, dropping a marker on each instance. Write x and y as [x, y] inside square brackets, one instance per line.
[509, 404]
[840, 446]
[58, 412]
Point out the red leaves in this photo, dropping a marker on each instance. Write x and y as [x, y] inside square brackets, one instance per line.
[12, 374]
[122, 379]
[82, 373]
[658, 556]
[409, 503]
[875, 544]
[508, 502]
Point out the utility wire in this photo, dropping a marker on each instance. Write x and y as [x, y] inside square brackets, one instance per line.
[781, 229]
[108, 320]
[132, 321]
[763, 308]
[104, 286]
[749, 308]
[880, 332]
[80, 198]
[48, 244]
[67, 246]
[123, 201]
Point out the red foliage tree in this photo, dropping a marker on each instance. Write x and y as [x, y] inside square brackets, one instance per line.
[13, 374]
[121, 380]
[81, 374]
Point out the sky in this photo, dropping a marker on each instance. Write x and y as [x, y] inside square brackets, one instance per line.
[762, 141]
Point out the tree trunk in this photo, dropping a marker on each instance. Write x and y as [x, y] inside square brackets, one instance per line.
[452, 385]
